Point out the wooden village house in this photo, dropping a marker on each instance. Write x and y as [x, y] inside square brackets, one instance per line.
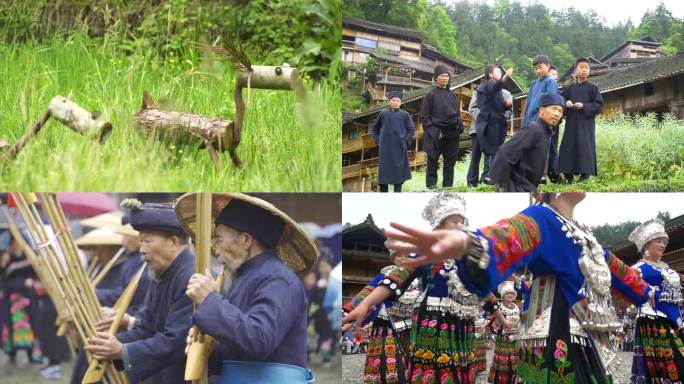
[363, 256]
[404, 62]
[638, 77]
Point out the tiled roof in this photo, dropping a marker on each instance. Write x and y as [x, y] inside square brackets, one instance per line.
[645, 41]
[381, 27]
[406, 63]
[655, 69]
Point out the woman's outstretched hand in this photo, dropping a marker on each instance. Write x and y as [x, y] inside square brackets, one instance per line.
[432, 246]
[355, 317]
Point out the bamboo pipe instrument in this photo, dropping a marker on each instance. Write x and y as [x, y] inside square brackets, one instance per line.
[103, 273]
[78, 290]
[46, 251]
[97, 368]
[86, 291]
[201, 345]
[43, 274]
[64, 272]
[66, 241]
[41, 271]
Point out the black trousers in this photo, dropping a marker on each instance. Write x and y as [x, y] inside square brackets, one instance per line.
[385, 187]
[475, 155]
[447, 147]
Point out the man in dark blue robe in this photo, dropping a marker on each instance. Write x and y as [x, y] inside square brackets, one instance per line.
[131, 262]
[393, 133]
[578, 148]
[152, 351]
[260, 323]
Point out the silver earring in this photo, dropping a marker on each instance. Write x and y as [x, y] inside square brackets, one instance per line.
[647, 254]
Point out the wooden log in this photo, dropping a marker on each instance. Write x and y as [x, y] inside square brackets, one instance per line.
[270, 77]
[68, 113]
[10, 151]
[208, 130]
[264, 77]
[89, 124]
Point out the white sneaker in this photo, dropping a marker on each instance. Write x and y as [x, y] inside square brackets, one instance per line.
[52, 372]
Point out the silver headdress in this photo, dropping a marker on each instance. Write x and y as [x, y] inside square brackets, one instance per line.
[443, 205]
[646, 232]
[506, 287]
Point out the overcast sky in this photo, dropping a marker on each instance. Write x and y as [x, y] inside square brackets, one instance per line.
[613, 11]
[486, 208]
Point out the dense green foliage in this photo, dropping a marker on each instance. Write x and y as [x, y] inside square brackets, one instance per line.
[633, 154]
[304, 33]
[511, 33]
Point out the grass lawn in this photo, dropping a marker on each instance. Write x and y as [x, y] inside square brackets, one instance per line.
[637, 154]
[283, 148]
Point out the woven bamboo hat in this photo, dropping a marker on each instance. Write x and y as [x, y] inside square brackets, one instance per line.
[110, 220]
[294, 247]
[100, 236]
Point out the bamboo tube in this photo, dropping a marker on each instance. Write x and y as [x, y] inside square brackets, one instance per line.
[97, 368]
[65, 276]
[36, 231]
[81, 287]
[195, 367]
[103, 273]
[40, 269]
[66, 241]
[201, 346]
[94, 263]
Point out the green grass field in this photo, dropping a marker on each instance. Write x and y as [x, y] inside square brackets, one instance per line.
[281, 149]
[634, 154]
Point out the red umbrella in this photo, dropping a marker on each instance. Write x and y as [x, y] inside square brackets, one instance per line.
[86, 203]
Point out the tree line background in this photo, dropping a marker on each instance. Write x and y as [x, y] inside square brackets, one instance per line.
[512, 34]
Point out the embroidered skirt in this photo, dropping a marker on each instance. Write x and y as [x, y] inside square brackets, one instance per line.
[442, 349]
[16, 331]
[384, 359]
[560, 358]
[481, 353]
[658, 352]
[505, 360]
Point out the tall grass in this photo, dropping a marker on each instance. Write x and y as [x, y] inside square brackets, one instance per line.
[281, 149]
[641, 154]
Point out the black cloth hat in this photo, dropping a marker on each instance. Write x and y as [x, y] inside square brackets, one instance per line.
[551, 99]
[393, 94]
[152, 217]
[263, 225]
[441, 68]
[294, 247]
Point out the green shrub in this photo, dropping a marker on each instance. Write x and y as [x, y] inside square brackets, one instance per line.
[304, 33]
